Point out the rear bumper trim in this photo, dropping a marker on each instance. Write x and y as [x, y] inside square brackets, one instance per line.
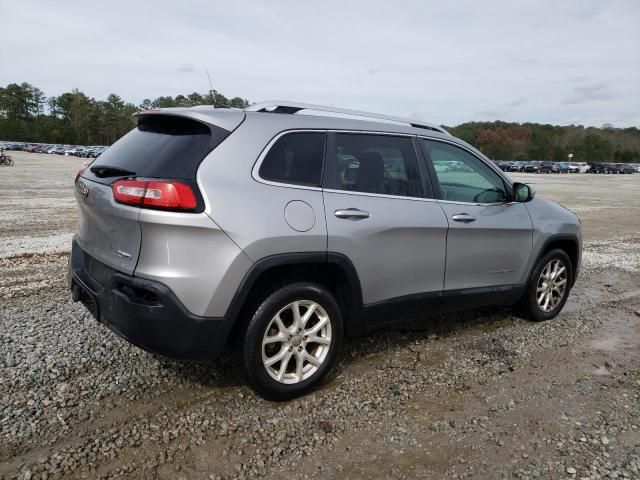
[144, 312]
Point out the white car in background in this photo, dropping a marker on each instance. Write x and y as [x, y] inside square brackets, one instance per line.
[578, 167]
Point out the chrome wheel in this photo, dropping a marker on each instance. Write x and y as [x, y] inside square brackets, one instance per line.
[552, 285]
[296, 341]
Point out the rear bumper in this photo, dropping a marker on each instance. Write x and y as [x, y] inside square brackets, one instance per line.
[144, 312]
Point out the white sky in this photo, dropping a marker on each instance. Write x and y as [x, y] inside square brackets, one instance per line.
[549, 61]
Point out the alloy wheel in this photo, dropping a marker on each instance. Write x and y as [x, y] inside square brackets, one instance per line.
[552, 285]
[296, 342]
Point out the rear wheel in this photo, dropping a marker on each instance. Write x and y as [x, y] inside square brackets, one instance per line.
[291, 342]
[548, 287]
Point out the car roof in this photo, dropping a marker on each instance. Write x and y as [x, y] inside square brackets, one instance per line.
[281, 120]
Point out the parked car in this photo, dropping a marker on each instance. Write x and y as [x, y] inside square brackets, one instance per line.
[595, 168]
[574, 168]
[610, 168]
[504, 166]
[560, 167]
[624, 168]
[518, 166]
[545, 167]
[533, 167]
[70, 150]
[279, 233]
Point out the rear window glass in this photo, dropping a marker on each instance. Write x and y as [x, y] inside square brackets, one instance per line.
[161, 147]
[295, 158]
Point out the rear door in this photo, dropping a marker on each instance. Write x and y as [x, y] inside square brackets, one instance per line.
[382, 216]
[489, 242]
[161, 146]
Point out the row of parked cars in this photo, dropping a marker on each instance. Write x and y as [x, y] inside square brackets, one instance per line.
[54, 149]
[538, 166]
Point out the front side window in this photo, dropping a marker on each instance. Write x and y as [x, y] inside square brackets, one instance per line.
[462, 176]
[371, 163]
[295, 158]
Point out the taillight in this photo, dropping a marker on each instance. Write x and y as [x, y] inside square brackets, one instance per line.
[161, 194]
[82, 168]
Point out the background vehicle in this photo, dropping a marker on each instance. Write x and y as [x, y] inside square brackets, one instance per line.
[624, 168]
[595, 168]
[518, 166]
[560, 167]
[5, 160]
[295, 222]
[610, 168]
[545, 167]
[533, 167]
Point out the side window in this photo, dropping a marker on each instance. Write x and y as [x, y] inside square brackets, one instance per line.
[295, 158]
[374, 164]
[462, 176]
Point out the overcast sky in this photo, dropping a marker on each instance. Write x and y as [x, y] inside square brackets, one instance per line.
[550, 61]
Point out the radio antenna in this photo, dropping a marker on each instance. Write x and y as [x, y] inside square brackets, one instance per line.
[210, 84]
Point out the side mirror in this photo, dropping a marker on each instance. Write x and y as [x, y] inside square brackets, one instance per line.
[522, 192]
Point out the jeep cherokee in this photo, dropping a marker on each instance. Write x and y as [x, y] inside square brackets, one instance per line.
[279, 229]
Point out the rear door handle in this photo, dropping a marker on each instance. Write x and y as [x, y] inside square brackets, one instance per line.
[463, 217]
[351, 214]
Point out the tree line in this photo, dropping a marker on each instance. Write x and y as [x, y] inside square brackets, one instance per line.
[27, 115]
[534, 141]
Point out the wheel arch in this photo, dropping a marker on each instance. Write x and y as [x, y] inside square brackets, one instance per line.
[334, 271]
[570, 244]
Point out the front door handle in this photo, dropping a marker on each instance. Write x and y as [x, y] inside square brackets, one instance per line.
[351, 214]
[463, 217]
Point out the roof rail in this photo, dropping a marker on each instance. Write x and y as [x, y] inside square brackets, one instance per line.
[279, 106]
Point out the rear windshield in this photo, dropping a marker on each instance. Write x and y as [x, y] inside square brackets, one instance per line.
[162, 146]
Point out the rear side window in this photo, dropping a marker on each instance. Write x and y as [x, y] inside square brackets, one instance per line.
[295, 158]
[163, 146]
[374, 164]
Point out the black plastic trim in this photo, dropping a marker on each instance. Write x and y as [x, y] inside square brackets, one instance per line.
[433, 176]
[397, 309]
[364, 317]
[478, 296]
[423, 170]
[147, 313]
[559, 237]
[267, 263]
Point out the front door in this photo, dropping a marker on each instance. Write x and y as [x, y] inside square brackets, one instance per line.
[490, 237]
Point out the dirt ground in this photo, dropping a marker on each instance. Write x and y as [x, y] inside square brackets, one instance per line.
[481, 394]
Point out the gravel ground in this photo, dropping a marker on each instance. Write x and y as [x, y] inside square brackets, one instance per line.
[481, 394]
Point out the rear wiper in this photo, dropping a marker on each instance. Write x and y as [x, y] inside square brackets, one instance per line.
[104, 171]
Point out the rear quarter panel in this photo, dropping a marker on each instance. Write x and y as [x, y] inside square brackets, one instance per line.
[252, 213]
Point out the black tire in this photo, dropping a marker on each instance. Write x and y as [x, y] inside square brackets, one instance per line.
[248, 348]
[528, 305]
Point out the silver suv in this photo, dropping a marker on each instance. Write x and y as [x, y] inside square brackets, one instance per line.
[280, 229]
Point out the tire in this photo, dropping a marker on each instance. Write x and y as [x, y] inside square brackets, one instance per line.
[529, 305]
[276, 380]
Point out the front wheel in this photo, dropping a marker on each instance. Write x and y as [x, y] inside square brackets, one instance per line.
[548, 287]
[291, 342]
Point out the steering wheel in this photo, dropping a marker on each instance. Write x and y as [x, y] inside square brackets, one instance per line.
[476, 198]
